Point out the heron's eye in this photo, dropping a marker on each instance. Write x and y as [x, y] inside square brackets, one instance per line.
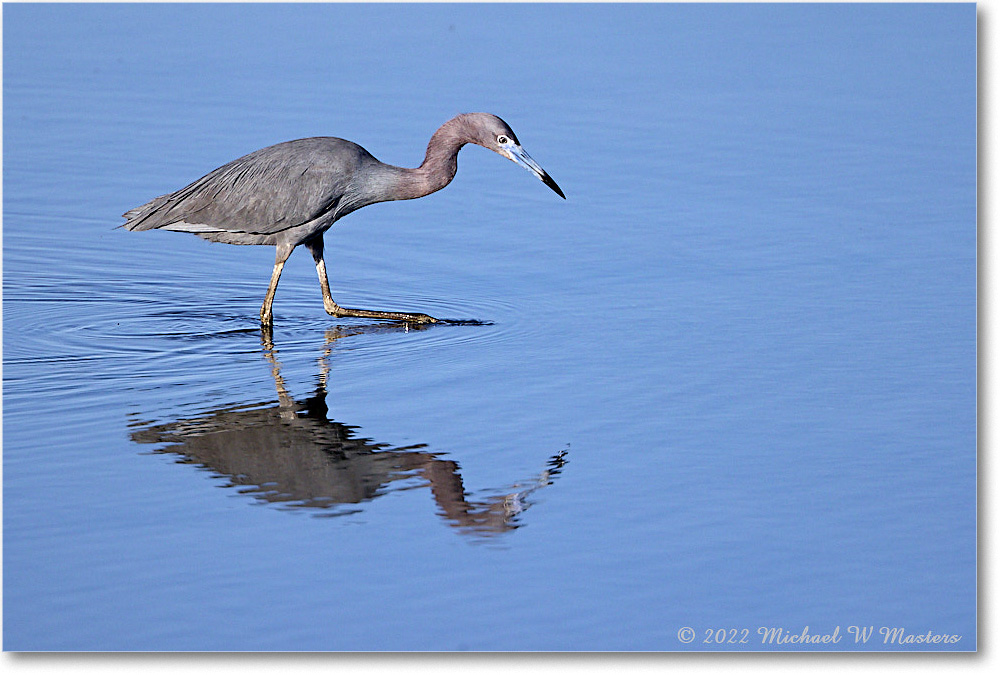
[502, 140]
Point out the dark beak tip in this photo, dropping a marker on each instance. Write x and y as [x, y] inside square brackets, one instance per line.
[552, 184]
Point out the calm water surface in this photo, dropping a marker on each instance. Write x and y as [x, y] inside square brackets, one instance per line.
[728, 384]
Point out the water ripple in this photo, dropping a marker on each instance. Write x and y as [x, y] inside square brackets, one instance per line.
[147, 321]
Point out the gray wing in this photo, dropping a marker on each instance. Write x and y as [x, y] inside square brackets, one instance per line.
[264, 193]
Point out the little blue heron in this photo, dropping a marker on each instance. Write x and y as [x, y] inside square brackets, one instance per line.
[291, 193]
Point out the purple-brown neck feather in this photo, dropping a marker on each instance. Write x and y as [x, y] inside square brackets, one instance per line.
[441, 161]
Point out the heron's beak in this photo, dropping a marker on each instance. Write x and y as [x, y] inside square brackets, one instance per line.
[517, 155]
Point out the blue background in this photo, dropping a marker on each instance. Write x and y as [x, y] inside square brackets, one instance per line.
[751, 327]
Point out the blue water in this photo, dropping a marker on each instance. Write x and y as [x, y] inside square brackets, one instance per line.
[728, 385]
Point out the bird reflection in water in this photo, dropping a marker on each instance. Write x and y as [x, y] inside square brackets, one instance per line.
[290, 453]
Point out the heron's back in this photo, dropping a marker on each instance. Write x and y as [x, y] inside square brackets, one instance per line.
[284, 192]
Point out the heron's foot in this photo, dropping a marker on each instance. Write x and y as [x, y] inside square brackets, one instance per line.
[333, 309]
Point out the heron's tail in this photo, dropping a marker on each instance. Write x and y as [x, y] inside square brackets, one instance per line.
[139, 217]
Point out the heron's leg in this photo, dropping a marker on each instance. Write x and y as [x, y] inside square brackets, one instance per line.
[315, 247]
[281, 253]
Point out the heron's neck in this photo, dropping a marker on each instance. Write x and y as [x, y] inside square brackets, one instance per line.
[440, 162]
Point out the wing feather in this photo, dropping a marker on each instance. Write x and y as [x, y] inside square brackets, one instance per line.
[266, 192]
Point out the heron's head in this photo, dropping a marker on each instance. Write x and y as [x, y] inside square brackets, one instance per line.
[493, 133]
